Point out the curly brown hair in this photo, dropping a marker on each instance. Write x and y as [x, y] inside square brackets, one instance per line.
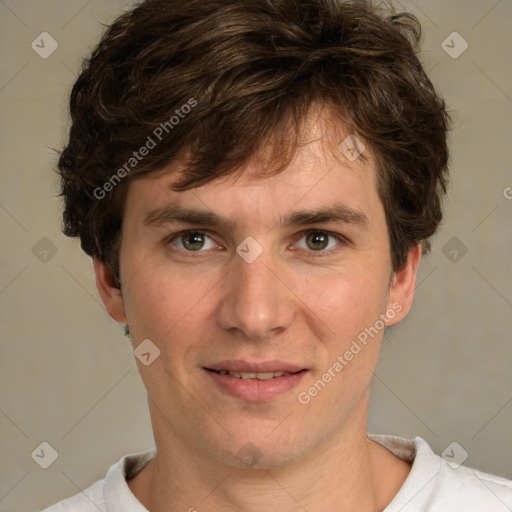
[221, 79]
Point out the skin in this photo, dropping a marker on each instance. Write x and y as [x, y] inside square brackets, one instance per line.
[207, 306]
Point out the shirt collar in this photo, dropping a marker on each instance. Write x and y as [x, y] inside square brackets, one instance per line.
[118, 496]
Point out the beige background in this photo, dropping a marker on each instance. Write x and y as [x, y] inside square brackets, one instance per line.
[67, 374]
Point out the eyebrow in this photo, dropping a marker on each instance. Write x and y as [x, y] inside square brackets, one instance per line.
[173, 214]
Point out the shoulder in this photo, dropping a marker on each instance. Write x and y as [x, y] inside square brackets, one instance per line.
[90, 500]
[112, 492]
[468, 489]
[436, 484]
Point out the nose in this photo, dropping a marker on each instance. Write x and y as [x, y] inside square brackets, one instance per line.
[256, 303]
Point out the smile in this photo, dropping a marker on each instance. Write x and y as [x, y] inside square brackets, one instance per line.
[253, 375]
[254, 386]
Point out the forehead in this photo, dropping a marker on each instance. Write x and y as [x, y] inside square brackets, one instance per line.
[330, 165]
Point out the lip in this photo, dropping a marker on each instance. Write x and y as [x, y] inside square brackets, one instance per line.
[237, 365]
[255, 390]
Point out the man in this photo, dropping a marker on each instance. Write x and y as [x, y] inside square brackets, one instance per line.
[256, 182]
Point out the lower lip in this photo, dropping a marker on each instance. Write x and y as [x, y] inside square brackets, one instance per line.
[254, 390]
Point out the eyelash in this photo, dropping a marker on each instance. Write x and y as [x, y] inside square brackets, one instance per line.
[314, 254]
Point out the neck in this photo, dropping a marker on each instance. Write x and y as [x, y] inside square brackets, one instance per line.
[346, 473]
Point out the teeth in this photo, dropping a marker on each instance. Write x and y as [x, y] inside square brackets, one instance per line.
[253, 375]
[246, 375]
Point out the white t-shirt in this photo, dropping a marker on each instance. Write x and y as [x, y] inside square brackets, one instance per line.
[432, 485]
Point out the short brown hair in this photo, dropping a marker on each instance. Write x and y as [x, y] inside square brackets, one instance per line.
[248, 70]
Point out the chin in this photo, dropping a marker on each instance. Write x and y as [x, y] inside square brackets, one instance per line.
[261, 452]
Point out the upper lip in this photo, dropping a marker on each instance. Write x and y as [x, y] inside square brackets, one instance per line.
[236, 365]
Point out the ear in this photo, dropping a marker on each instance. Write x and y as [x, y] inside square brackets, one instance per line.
[401, 293]
[110, 295]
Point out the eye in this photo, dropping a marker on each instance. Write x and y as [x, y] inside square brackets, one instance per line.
[192, 241]
[316, 241]
[320, 241]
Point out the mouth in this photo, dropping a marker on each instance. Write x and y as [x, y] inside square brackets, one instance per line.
[254, 375]
[260, 382]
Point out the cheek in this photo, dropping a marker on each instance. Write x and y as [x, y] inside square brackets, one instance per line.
[167, 306]
[346, 300]
[153, 302]
[350, 304]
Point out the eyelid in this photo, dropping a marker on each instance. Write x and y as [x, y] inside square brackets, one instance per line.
[341, 239]
[174, 236]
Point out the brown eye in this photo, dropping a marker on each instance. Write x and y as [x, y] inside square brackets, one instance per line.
[317, 241]
[192, 241]
[321, 242]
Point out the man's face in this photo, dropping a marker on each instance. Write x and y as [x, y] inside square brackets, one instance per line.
[297, 306]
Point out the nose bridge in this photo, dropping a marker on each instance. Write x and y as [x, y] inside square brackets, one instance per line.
[255, 302]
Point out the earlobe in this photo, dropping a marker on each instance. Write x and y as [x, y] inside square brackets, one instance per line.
[109, 293]
[401, 293]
